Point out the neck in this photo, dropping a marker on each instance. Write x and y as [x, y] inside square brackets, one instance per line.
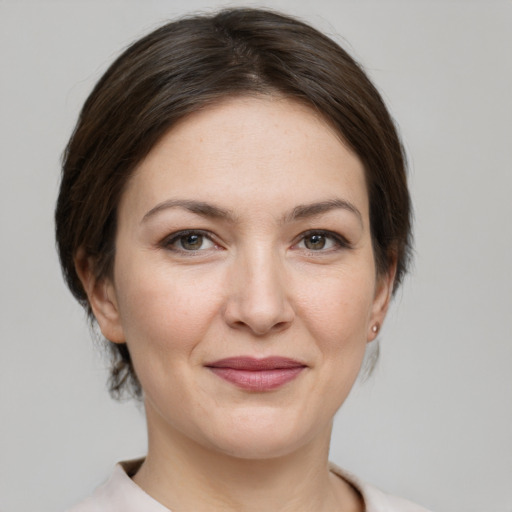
[184, 475]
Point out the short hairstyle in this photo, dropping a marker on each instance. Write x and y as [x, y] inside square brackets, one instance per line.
[187, 65]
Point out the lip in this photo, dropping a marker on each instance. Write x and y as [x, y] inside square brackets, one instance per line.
[258, 375]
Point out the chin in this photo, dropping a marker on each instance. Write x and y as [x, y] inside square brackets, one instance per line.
[263, 436]
[259, 446]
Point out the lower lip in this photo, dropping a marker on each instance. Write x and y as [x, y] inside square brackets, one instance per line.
[258, 380]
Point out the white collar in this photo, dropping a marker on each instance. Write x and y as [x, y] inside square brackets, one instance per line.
[120, 492]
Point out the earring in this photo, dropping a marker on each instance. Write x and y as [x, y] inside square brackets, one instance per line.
[375, 328]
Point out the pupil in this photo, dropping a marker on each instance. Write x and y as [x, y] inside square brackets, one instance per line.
[192, 242]
[315, 242]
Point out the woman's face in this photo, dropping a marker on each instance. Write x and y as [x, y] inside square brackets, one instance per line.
[244, 280]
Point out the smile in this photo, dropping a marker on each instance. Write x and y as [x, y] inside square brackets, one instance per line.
[257, 374]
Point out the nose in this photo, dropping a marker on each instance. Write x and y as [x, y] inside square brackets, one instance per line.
[258, 299]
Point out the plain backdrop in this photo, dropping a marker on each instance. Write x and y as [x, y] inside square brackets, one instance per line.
[434, 423]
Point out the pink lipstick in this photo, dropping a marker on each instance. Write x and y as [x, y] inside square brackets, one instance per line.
[257, 374]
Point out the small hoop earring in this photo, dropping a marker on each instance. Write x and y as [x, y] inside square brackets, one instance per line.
[375, 329]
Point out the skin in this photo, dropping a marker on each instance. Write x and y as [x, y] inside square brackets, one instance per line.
[265, 279]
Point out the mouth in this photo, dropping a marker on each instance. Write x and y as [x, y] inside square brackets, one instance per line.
[257, 375]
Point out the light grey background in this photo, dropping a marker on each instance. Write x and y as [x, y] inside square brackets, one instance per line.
[434, 423]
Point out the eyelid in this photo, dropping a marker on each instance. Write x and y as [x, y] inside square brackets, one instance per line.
[340, 241]
[168, 241]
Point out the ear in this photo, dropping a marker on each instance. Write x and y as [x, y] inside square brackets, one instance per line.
[381, 301]
[102, 298]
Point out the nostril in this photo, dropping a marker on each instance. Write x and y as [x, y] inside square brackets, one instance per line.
[280, 326]
[260, 329]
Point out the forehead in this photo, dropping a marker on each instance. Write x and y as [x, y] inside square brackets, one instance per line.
[247, 152]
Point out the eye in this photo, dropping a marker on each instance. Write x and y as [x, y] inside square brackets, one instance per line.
[321, 241]
[189, 241]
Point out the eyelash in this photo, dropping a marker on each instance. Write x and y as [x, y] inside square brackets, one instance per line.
[338, 241]
[169, 241]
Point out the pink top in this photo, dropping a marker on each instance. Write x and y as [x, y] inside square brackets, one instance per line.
[121, 494]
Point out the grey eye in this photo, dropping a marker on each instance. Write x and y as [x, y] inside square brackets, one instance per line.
[320, 241]
[315, 242]
[191, 242]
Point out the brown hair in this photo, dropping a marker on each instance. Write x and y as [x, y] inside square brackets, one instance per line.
[187, 65]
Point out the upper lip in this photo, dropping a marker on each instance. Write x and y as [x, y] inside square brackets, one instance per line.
[256, 364]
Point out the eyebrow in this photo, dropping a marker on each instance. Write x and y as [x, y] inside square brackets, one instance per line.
[209, 210]
[198, 207]
[304, 211]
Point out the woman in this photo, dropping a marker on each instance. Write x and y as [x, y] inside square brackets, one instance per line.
[234, 215]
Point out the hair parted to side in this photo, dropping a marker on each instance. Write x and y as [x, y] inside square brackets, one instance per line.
[187, 65]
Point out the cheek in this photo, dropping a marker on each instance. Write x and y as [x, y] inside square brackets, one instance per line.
[337, 309]
[163, 311]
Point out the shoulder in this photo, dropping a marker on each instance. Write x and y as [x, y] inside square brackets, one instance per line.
[119, 492]
[88, 505]
[100, 500]
[376, 500]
